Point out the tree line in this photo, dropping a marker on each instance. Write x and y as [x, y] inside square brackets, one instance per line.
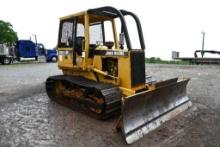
[7, 34]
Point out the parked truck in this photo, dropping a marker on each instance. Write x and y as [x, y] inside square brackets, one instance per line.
[50, 54]
[26, 49]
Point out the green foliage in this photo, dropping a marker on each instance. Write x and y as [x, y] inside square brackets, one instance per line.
[158, 60]
[7, 34]
[153, 60]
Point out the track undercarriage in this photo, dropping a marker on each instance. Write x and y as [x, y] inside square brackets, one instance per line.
[98, 99]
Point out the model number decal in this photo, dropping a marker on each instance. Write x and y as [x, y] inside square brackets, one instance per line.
[110, 53]
[115, 53]
[64, 52]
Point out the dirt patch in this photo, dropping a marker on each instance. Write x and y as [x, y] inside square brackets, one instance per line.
[29, 118]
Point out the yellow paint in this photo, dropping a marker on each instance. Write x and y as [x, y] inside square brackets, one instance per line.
[73, 15]
[115, 35]
[91, 68]
[124, 72]
[126, 91]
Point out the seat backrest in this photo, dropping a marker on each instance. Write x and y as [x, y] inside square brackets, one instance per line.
[79, 45]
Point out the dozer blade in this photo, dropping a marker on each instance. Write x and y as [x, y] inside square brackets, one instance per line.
[147, 110]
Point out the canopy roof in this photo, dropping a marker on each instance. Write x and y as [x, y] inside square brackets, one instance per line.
[109, 13]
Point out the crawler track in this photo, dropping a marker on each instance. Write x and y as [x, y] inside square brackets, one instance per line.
[97, 99]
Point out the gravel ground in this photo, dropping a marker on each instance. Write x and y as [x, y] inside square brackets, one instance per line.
[29, 118]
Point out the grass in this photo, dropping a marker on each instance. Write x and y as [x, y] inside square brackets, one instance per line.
[159, 61]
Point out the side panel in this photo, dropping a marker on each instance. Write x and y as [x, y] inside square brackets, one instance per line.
[137, 68]
[65, 58]
[124, 72]
[26, 49]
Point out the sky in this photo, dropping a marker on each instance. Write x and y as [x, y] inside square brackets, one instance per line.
[168, 25]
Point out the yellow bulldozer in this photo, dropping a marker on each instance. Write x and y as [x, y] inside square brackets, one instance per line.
[105, 77]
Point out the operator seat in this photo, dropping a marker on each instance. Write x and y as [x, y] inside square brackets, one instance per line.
[109, 44]
[79, 45]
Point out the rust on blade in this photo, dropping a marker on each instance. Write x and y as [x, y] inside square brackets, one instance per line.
[145, 111]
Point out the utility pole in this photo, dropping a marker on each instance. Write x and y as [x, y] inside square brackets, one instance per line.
[203, 43]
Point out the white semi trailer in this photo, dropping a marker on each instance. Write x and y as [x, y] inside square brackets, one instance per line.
[6, 54]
